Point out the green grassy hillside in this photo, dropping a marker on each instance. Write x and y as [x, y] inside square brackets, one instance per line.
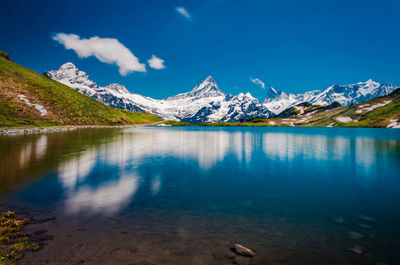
[64, 105]
[378, 112]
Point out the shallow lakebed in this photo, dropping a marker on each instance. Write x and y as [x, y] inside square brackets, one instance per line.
[179, 195]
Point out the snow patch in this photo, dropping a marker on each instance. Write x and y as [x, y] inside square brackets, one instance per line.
[367, 107]
[40, 108]
[395, 124]
[344, 119]
[300, 108]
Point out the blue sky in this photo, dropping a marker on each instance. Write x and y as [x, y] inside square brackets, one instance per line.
[291, 45]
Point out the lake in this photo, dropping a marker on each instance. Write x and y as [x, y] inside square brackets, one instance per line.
[185, 195]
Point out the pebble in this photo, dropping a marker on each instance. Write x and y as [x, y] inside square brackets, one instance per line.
[356, 249]
[355, 235]
[366, 218]
[365, 226]
[241, 250]
[339, 220]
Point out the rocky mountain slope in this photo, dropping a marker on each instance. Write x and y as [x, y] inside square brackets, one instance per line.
[346, 95]
[29, 98]
[204, 103]
[382, 111]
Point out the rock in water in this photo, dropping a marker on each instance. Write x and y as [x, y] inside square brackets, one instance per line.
[355, 235]
[356, 249]
[241, 250]
[339, 220]
[365, 226]
[366, 218]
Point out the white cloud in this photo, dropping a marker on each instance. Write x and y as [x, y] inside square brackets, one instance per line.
[183, 12]
[156, 62]
[258, 81]
[107, 50]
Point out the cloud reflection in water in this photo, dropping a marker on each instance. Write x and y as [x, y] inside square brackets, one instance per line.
[134, 147]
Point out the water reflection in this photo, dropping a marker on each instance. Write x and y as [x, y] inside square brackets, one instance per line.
[103, 170]
[78, 168]
[107, 198]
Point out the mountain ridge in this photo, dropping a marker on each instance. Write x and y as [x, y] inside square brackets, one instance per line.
[206, 102]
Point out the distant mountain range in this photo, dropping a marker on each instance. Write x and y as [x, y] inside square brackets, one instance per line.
[207, 103]
[383, 111]
[204, 103]
[346, 95]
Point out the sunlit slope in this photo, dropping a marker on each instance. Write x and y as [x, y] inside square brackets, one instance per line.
[378, 112]
[28, 98]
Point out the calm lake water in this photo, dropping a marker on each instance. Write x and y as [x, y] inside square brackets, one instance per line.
[186, 195]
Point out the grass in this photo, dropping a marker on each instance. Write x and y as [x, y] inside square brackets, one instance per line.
[65, 106]
[177, 123]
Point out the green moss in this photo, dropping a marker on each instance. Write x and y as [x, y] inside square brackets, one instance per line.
[24, 244]
[13, 244]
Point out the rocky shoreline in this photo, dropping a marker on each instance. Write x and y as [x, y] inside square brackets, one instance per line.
[31, 130]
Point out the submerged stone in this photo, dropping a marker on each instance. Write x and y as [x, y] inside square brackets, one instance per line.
[339, 220]
[366, 218]
[365, 226]
[241, 250]
[355, 235]
[356, 249]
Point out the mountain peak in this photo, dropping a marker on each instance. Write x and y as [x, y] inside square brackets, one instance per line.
[273, 94]
[371, 82]
[205, 89]
[67, 66]
[70, 75]
[209, 81]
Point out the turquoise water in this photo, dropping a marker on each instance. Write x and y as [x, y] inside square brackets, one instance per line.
[185, 195]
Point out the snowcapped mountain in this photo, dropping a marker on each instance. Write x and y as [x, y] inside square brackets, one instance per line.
[278, 101]
[204, 103]
[353, 93]
[205, 89]
[207, 103]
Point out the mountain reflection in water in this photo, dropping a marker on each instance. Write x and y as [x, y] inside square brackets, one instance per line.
[282, 190]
